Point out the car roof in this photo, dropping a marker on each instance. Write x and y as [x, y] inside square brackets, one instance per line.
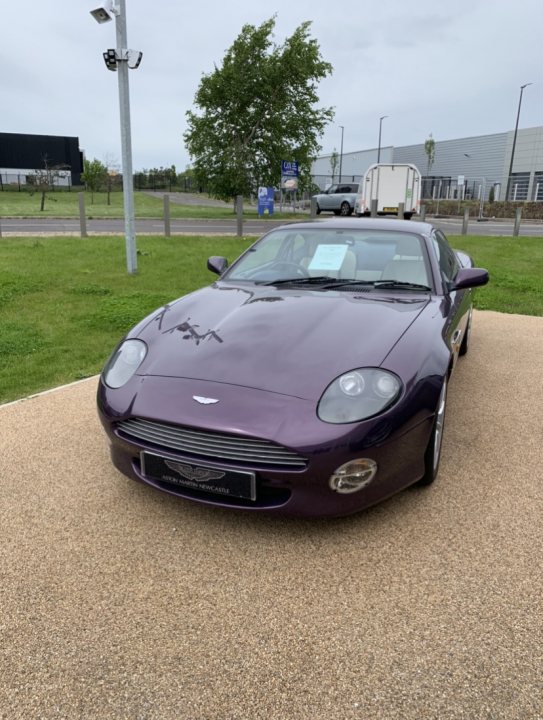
[410, 226]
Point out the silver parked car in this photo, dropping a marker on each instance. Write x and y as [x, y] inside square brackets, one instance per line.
[339, 199]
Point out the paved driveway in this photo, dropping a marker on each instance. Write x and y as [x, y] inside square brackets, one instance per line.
[119, 602]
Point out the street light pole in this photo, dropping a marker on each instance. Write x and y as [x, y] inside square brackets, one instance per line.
[126, 140]
[120, 59]
[379, 146]
[514, 142]
[341, 153]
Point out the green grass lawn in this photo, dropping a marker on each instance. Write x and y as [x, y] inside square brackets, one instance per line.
[66, 204]
[516, 272]
[65, 302]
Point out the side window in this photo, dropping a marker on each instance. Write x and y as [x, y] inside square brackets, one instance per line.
[448, 262]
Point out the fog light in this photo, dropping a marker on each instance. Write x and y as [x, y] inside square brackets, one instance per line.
[353, 476]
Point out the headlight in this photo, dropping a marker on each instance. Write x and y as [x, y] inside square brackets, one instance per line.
[358, 395]
[124, 362]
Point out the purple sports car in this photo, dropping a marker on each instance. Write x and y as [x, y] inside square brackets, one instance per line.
[309, 379]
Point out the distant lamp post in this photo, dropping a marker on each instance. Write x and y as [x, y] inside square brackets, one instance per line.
[509, 177]
[121, 59]
[379, 146]
[341, 153]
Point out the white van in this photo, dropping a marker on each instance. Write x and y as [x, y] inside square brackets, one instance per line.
[390, 184]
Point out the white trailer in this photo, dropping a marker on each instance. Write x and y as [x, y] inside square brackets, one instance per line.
[390, 184]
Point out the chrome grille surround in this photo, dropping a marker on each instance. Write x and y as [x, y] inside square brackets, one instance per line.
[211, 446]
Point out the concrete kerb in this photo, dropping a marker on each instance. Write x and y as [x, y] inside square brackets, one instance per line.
[48, 392]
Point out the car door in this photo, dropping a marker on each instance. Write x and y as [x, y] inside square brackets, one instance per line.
[327, 201]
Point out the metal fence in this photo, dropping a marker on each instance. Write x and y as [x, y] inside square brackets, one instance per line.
[522, 187]
[23, 181]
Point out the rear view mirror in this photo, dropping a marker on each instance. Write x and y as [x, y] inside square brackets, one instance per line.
[217, 264]
[470, 277]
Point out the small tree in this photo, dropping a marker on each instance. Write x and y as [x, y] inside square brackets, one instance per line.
[43, 180]
[430, 150]
[94, 176]
[334, 162]
[491, 194]
[113, 178]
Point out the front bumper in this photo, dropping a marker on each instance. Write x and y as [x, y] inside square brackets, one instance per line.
[395, 440]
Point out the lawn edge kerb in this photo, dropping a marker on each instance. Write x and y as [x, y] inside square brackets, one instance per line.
[54, 389]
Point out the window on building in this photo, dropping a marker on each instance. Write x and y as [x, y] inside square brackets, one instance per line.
[518, 186]
[537, 192]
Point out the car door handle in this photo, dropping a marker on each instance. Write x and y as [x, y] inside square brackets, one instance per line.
[456, 336]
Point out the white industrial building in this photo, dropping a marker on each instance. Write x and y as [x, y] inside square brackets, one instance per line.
[465, 167]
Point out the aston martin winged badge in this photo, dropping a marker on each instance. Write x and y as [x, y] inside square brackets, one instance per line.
[195, 474]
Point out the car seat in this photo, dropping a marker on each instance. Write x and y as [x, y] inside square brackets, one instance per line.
[407, 265]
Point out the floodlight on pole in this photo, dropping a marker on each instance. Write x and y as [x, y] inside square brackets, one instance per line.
[509, 177]
[379, 146]
[121, 59]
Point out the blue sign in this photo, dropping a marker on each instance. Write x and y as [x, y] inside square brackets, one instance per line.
[265, 200]
[289, 167]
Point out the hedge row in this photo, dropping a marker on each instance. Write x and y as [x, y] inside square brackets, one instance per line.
[497, 209]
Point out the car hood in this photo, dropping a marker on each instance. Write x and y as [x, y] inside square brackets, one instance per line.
[293, 342]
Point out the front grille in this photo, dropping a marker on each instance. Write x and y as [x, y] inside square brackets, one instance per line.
[210, 445]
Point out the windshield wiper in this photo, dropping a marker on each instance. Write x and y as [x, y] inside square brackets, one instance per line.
[298, 281]
[326, 282]
[348, 283]
[400, 284]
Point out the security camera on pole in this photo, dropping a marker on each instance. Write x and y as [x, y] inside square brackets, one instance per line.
[121, 59]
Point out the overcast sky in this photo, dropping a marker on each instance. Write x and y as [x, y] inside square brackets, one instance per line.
[450, 68]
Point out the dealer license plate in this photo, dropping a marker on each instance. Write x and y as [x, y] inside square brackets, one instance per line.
[213, 480]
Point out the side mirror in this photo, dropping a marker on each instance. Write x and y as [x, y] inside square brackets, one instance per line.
[217, 264]
[470, 277]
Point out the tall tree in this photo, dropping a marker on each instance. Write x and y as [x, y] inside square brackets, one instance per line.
[430, 150]
[334, 162]
[258, 108]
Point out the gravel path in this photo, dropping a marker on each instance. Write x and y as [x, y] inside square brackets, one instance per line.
[119, 602]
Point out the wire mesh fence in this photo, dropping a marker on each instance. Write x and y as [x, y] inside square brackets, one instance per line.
[20, 182]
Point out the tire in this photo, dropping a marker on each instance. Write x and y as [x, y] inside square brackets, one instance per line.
[345, 209]
[407, 215]
[464, 347]
[318, 209]
[432, 456]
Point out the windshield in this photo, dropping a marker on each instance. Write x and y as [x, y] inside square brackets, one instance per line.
[369, 257]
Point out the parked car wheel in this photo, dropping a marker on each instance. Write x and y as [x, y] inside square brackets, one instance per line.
[345, 209]
[318, 207]
[407, 215]
[432, 456]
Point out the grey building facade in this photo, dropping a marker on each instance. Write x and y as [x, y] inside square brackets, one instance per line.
[466, 167]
